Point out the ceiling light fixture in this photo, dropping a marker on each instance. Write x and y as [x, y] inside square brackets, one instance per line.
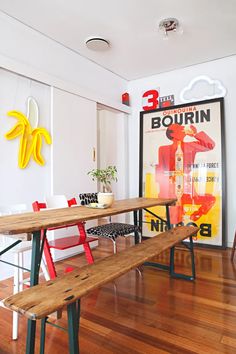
[169, 25]
[97, 44]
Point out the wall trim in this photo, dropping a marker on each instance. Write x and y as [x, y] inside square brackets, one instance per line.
[50, 80]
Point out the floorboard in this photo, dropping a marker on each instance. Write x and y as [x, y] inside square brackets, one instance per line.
[147, 313]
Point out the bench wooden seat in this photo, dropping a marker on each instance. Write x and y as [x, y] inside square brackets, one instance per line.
[43, 299]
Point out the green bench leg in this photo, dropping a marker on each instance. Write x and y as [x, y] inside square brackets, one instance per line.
[171, 267]
[180, 275]
[192, 258]
[30, 340]
[42, 335]
[73, 313]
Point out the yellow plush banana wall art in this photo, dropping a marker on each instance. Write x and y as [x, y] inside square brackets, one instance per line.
[31, 136]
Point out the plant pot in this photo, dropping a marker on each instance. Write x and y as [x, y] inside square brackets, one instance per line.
[105, 198]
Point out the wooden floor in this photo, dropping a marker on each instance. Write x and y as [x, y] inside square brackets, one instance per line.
[148, 313]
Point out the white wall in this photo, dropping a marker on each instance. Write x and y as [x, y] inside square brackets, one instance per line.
[22, 185]
[172, 83]
[25, 51]
[113, 144]
[113, 151]
[74, 129]
[74, 137]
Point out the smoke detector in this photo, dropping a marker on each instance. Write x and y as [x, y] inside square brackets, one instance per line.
[97, 44]
[169, 25]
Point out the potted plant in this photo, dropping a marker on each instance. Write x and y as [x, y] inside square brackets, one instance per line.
[105, 177]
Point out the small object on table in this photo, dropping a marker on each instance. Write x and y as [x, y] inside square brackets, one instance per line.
[98, 205]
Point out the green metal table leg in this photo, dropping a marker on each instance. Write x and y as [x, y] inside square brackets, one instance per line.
[35, 258]
[136, 234]
[171, 267]
[168, 217]
[10, 247]
[73, 325]
[34, 276]
[172, 250]
[168, 224]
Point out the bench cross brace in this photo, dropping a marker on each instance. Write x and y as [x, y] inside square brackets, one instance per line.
[73, 316]
[171, 267]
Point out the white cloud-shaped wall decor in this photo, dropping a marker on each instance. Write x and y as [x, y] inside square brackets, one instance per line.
[201, 88]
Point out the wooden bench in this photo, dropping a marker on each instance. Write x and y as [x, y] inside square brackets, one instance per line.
[43, 299]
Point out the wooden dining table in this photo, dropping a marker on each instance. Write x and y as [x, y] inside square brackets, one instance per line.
[20, 226]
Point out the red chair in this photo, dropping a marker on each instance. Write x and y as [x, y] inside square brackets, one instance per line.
[65, 242]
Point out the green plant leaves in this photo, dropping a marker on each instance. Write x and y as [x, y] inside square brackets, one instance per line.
[105, 176]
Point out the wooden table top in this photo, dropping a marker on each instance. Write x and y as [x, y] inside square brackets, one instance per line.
[34, 221]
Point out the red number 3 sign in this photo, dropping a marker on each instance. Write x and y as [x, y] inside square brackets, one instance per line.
[150, 100]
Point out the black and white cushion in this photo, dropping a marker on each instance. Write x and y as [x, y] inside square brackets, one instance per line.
[87, 198]
[113, 230]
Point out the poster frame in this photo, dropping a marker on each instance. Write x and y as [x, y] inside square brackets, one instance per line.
[223, 211]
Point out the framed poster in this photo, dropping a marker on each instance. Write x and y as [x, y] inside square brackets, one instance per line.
[182, 156]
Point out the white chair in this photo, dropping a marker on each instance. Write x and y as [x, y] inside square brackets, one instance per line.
[56, 201]
[18, 255]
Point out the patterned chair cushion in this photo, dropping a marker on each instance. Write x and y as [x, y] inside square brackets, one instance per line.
[112, 230]
[87, 198]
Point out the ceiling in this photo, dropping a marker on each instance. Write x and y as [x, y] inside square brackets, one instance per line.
[137, 48]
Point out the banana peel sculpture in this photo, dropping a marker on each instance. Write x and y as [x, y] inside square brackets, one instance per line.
[31, 136]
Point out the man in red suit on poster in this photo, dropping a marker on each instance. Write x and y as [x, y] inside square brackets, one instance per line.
[173, 172]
